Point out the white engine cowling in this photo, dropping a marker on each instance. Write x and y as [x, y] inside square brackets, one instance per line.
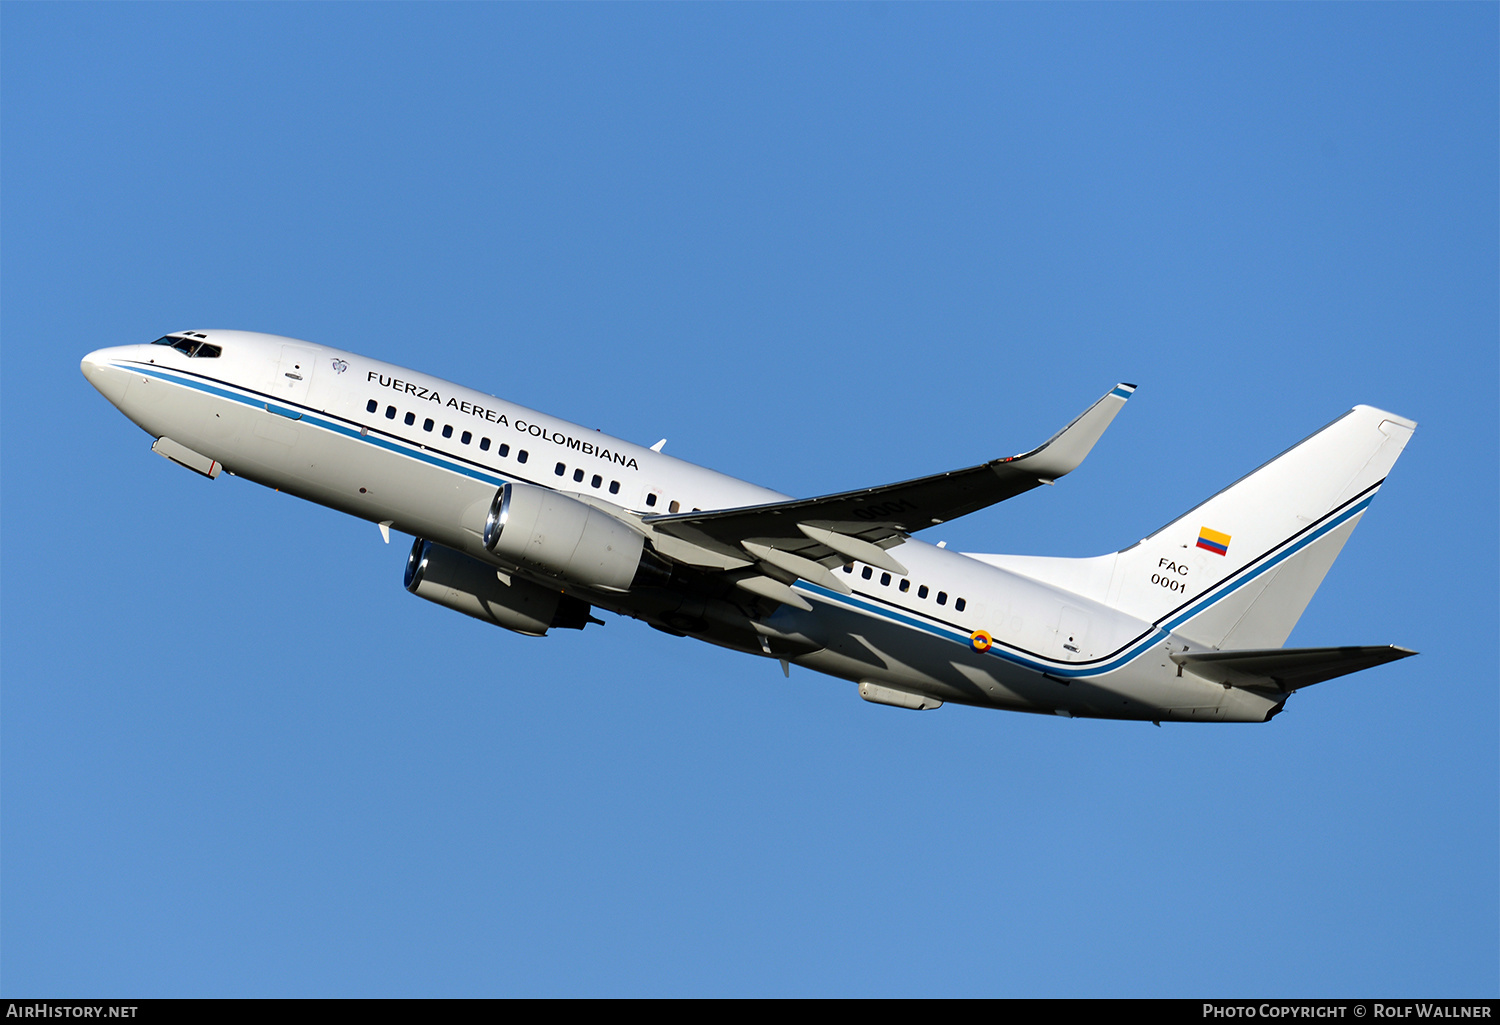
[463, 584]
[563, 537]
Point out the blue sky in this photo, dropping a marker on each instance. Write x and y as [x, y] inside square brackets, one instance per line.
[818, 247]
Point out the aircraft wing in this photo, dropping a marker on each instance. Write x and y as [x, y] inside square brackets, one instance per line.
[799, 538]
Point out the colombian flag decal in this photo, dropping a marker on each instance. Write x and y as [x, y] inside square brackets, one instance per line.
[1213, 541]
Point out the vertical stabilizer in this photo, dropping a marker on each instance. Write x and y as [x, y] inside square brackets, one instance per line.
[1238, 570]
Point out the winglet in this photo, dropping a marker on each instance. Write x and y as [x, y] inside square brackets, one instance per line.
[1061, 453]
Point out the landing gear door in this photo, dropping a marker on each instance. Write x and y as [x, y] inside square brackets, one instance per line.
[294, 373]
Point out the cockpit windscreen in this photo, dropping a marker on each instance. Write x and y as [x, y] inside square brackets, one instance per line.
[189, 346]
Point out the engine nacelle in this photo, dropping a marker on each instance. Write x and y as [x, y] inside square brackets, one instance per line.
[458, 582]
[563, 537]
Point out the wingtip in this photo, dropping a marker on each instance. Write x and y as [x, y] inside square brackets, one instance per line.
[1065, 450]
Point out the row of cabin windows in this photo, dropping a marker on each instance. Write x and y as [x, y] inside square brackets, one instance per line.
[484, 445]
[465, 438]
[885, 581]
[594, 482]
[561, 470]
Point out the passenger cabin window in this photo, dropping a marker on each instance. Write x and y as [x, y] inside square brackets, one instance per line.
[885, 580]
[866, 572]
[942, 597]
[614, 487]
[959, 605]
[905, 585]
[426, 424]
[484, 445]
[596, 481]
[650, 498]
[447, 430]
[467, 437]
[676, 505]
[390, 412]
[411, 418]
[560, 469]
[520, 456]
[922, 591]
[577, 476]
[371, 406]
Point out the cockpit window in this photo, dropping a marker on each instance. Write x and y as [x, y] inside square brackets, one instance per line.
[190, 346]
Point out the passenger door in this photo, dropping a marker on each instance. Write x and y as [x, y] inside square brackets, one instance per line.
[294, 373]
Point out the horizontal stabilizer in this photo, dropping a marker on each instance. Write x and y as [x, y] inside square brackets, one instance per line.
[1285, 669]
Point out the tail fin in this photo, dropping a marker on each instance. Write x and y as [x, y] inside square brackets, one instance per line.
[1238, 570]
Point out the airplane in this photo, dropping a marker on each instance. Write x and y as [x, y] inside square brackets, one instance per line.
[532, 523]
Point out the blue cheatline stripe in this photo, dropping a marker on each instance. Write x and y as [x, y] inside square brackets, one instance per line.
[947, 631]
[943, 629]
[1270, 561]
[255, 400]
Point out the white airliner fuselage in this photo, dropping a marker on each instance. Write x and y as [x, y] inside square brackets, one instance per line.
[527, 521]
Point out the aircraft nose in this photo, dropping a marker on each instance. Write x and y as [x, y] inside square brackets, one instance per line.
[109, 380]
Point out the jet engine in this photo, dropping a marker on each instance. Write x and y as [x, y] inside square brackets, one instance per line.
[563, 537]
[455, 581]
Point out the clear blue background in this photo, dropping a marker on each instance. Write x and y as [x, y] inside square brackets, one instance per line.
[818, 247]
